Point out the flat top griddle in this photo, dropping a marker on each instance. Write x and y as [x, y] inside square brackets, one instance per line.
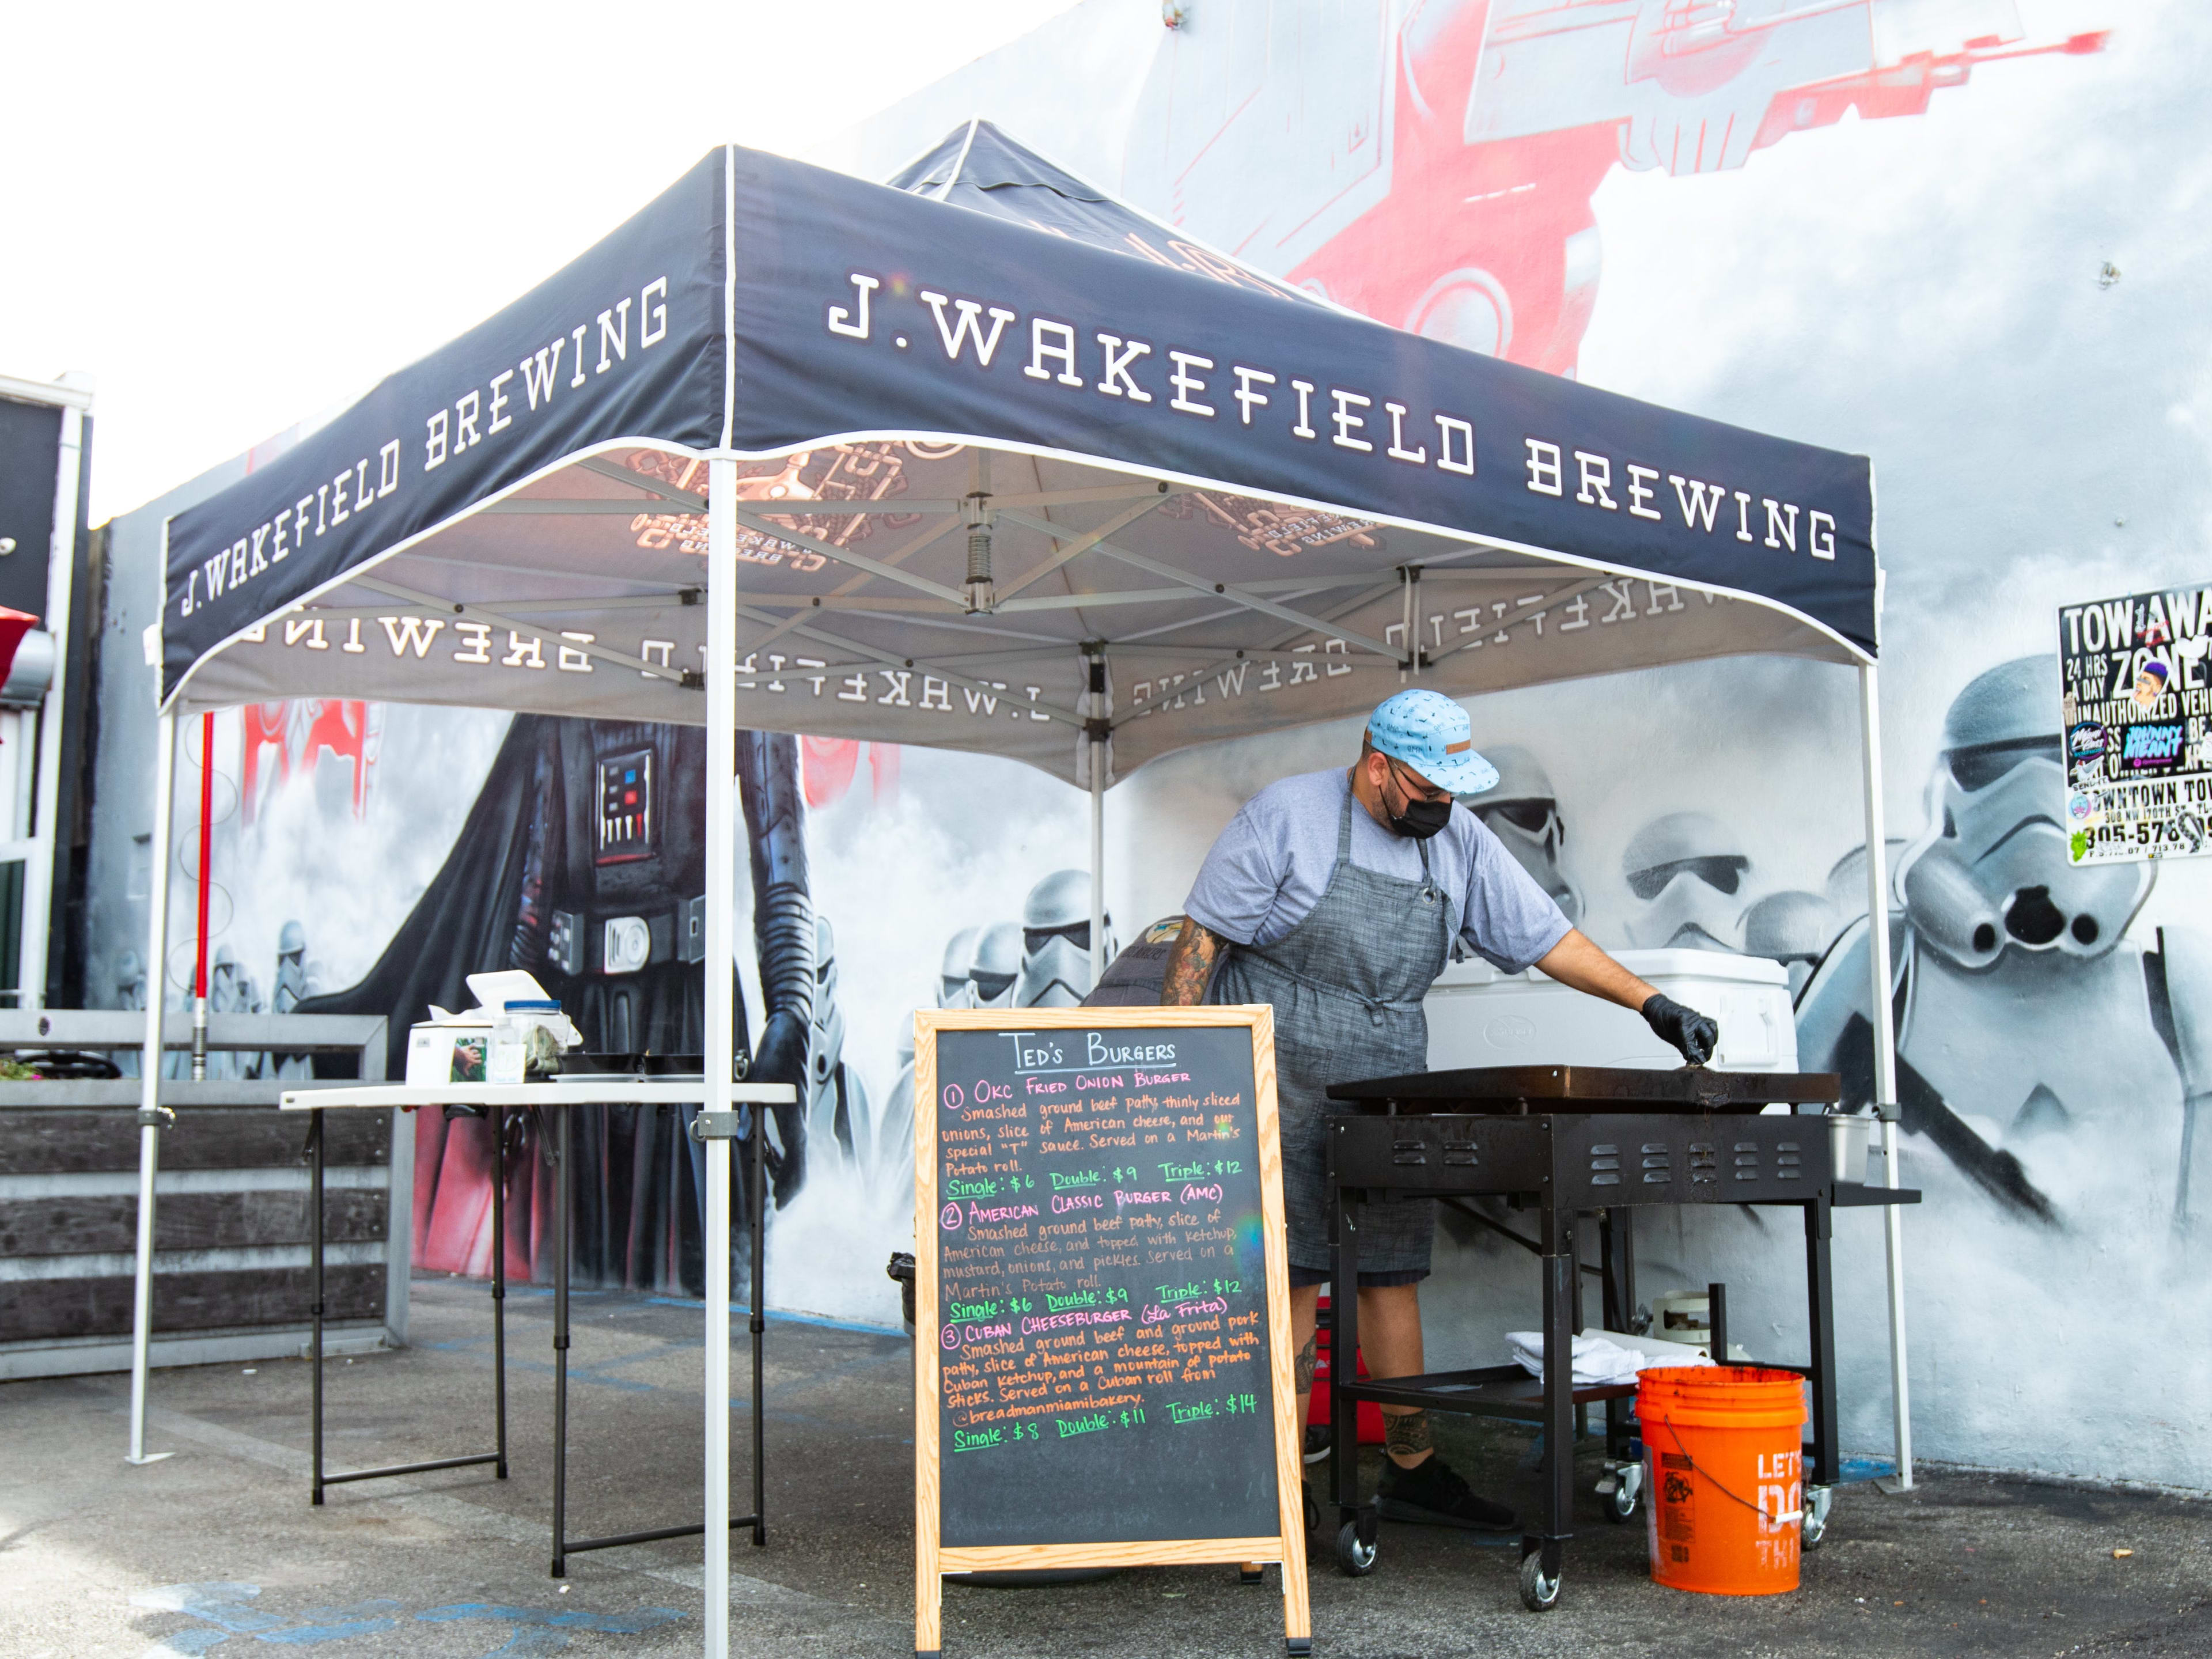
[1522, 1090]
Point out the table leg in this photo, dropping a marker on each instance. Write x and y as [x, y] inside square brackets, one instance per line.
[562, 1212]
[499, 1282]
[1819, 1285]
[759, 1220]
[315, 1292]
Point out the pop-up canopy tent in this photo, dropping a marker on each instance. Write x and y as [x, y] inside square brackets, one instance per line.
[990, 461]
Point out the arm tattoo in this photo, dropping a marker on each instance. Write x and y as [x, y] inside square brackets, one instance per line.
[1405, 1432]
[1190, 964]
[1302, 1366]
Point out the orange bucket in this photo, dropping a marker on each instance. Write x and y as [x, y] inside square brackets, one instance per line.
[1724, 1476]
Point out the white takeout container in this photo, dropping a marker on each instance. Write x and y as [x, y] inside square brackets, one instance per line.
[487, 1043]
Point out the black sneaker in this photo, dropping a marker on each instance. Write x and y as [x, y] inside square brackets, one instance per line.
[1318, 1439]
[1430, 1494]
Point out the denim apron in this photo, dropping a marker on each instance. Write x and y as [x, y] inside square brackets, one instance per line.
[1346, 982]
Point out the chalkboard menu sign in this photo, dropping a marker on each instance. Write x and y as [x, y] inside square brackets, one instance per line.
[1103, 1368]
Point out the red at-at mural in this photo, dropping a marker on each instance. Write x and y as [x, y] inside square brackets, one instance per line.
[1437, 174]
[302, 732]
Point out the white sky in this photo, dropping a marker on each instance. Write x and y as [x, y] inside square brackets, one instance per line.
[237, 217]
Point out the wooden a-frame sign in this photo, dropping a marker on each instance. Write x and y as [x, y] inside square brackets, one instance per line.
[1103, 1373]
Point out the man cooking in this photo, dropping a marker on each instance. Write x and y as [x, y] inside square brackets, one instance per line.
[1335, 897]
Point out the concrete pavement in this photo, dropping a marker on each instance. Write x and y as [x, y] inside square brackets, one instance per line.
[218, 1546]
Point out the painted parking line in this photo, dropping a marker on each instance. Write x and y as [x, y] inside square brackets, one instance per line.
[226, 1611]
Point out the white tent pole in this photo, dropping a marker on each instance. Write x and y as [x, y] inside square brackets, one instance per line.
[1097, 709]
[1098, 964]
[721, 1035]
[150, 1080]
[1885, 1057]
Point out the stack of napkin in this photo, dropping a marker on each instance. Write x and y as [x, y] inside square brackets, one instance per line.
[1600, 1360]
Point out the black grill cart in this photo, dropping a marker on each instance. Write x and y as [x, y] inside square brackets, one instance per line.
[1569, 1144]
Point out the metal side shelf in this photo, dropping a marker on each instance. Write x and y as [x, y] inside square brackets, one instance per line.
[1857, 1196]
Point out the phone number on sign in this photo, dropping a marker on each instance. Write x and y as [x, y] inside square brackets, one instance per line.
[2182, 834]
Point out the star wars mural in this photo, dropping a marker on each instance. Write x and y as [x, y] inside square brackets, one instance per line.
[1951, 236]
[582, 862]
[1960, 236]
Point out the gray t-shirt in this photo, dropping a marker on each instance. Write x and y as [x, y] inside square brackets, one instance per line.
[1272, 864]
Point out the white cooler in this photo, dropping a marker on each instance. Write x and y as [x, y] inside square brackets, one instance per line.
[1479, 1016]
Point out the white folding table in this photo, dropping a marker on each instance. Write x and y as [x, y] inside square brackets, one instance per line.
[714, 1130]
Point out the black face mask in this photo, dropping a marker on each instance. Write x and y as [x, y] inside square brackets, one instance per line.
[1421, 818]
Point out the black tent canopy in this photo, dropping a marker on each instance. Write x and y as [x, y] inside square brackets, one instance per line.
[974, 446]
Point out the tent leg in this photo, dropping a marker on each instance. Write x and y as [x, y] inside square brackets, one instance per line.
[721, 1036]
[149, 1082]
[1884, 1060]
[1098, 964]
[201, 882]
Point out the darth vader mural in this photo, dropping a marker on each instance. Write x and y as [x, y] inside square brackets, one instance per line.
[583, 863]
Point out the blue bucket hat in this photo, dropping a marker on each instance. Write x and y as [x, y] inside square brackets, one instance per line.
[1433, 734]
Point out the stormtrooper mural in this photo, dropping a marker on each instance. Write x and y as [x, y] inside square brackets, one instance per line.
[294, 981]
[2026, 1015]
[838, 1101]
[1055, 970]
[131, 981]
[1042, 961]
[893, 1142]
[1523, 811]
[1686, 872]
[1794, 928]
[956, 971]
[996, 966]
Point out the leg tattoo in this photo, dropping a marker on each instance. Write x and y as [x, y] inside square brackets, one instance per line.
[1406, 1434]
[1302, 1366]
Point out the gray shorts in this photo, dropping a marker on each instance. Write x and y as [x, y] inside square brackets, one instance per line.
[1395, 1237]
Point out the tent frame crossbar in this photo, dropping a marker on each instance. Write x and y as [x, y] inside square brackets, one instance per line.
[1073, 547]
[1250, 601]
[442, 608]
[696, 505]
[1520, 613]
[763, 525]
[853, 585]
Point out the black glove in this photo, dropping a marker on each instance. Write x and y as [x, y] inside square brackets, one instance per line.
[781, 1058]
[1685, 1028]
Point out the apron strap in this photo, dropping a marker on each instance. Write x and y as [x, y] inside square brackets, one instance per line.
[1344, 845]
